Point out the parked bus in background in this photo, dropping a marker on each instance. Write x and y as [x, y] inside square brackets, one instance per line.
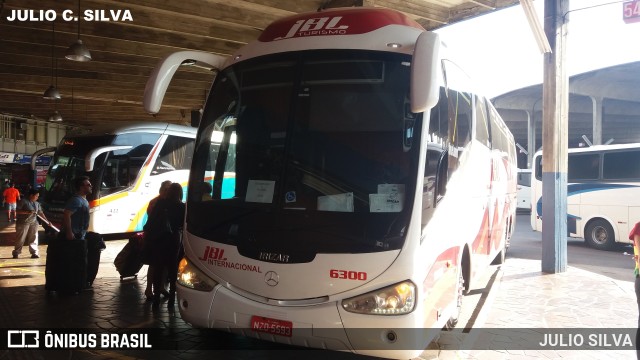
[126, 164]
[368, 193]
[603, 188]
[524, 190]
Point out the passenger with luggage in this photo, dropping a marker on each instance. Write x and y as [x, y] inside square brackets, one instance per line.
[27, 213]
[66, 268]
[148, 292]
[164, 232]
[75, 219]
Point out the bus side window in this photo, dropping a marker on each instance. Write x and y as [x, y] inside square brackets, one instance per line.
[435, 180]
[176, 154]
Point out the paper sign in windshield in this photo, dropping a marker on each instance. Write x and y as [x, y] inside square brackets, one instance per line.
[338, 202]
[390, 198]
[260, 191]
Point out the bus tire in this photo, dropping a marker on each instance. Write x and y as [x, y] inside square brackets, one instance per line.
[453, 320]
[599, 235]
[499, 259]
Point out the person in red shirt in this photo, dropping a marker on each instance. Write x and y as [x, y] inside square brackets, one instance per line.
[11, 196]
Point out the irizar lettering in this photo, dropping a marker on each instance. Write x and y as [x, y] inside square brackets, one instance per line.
[274, 257]
[316, 26]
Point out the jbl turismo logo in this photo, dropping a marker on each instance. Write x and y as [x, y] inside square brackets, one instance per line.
[316, 26]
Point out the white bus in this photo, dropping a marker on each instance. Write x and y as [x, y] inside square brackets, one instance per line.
[603, 188]
[126, 164]
[367, 193]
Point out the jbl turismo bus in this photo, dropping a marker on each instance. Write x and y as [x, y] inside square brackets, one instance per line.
[359, 187]
[126, 164]
[603, 187]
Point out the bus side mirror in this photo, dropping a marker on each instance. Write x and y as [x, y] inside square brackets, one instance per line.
[90, 159]
[163, 73]
[34, 156]
[424, 72]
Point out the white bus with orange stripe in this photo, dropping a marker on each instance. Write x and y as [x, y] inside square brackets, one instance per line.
[368, 193]
[126, 164]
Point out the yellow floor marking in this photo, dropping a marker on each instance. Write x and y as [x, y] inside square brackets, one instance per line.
[21, 269]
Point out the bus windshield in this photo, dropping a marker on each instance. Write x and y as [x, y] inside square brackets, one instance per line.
[318, 148]
[113, 171]
[68, 163]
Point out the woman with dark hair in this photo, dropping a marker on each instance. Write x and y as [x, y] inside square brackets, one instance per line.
[165, 224]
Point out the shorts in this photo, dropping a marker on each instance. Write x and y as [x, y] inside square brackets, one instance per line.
[11, 206]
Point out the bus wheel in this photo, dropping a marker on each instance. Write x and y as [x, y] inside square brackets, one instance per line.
[499, 260]
[453, 320]
[599, 235]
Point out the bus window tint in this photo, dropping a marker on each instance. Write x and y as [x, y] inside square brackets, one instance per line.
[482, 125]
[622, 165]
[122, 166]
[584, 167]
[176, 154]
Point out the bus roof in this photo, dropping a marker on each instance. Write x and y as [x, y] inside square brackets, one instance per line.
[139, 126]
[340, 28]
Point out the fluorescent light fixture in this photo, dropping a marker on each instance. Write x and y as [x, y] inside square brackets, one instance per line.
[536, 28]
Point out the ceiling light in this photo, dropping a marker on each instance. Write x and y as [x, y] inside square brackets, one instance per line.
[77, 51]
[55, 117]
[52, 93]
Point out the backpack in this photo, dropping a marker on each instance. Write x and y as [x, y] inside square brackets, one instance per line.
[158, 224]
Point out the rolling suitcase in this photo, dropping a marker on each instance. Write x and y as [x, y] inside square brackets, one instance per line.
[128, 261]
[95, 245]
[66, 267]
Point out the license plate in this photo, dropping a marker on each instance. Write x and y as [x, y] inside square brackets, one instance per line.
[271, 326]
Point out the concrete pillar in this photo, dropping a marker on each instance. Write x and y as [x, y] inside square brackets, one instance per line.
[531, 137]
[555, 126]
[597, 120]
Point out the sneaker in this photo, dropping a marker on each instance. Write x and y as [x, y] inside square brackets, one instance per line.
[35, 256]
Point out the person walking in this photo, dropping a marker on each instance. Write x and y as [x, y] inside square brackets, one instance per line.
[11, 196]
[27, 213]
[167, 219]
[148, 292]
[75, 219]
[634, 236]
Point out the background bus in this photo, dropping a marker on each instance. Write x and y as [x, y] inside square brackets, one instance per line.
[367, 192]
[524, 190]
[126, 164]
[603, 188]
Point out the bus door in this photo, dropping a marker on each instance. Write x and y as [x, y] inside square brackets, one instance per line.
[120, 201]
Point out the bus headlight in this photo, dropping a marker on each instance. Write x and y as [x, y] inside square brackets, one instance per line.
[393, 300]
[189, 276]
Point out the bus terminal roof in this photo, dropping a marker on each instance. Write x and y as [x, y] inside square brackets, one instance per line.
[110, 87]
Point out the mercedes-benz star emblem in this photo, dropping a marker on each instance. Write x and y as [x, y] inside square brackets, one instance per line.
[272, 278]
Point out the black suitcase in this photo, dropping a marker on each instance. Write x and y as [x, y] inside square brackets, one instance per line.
[66, 267]
[128, 261]
[95, 245]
